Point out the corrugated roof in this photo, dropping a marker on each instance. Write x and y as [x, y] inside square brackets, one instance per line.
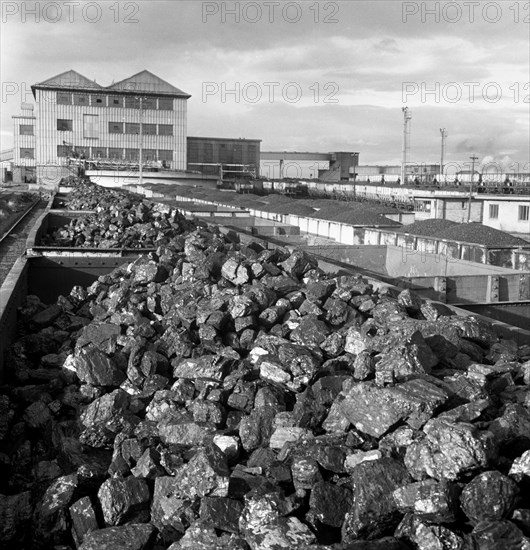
[142, 82]
[69, 80]
[147, 82]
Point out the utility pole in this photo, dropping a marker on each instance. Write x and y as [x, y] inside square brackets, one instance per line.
[355, 159]
[473, 159]
[443, 133]
[406, 135]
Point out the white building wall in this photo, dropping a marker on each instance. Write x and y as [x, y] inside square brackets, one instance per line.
[23, 141]
[509, 215]
[48, 137]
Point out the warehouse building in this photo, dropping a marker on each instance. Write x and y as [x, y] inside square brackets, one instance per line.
[76, 118]
[231, 159]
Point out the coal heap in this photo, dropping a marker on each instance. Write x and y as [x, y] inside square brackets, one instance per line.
[214, 395]
[119, 220]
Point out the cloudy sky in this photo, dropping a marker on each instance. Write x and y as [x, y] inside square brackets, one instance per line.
[301, 76]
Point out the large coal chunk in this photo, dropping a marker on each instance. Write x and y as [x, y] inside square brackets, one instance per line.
[424, 535]
[138, 536]
[413, 357]
[83, 518]
[330, 503]
[292, 367]
[448, 450]
[171, 513]
[489, 496]
[184, 432]
[51, 513]
[221, 513]
[255, 429]
[206, 367]
[375, 410]
[124, 500]
[206, 474]
[263, 525]
[493, 535]
[374, 512]
[429, 500]
[95, 367]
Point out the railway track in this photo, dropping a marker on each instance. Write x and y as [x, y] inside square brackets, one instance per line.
[13, 241]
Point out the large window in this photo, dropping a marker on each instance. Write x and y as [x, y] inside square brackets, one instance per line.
[132, 102]
[115, 101]
[115, 153]
[148, 154]
[90, 126]
[98, 100]
[165, 104]
[80, 99]
[523, 213]
[64, 125]
[165, 129]
[26, 129]
[149, 129]
[98, 152]
[27, 153]
[494, 211]
[422, 206]
[208, 152]
[132, 154]
[238, 153]
[64, 150]
[149, 103]
[165, 154]
[64, 98]
[132, 128]
[115, 127]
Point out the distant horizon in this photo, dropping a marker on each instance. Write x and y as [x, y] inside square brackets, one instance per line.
[305, 76]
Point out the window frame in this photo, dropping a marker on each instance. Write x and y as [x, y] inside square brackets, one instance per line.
[78, 95]
[493, 211]
[94, 125]
[523, 213]
[69, 122]
[129, 126]
[112, 99]
[24, 150]
[113, 130]
[93, 151]
[165, 153]
[148, 126]
[162, 128]
[166, 101]
[95, 97]
[62, 94]
[26, 126]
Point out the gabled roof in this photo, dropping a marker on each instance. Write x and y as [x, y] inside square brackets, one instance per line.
[142, 82]
[69, 80]
[147, 82]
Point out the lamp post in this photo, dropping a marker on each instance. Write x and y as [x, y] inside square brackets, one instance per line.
[443, 133]
[407, 116]
[473, 159]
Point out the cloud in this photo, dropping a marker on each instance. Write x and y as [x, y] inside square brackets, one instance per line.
[364, 53]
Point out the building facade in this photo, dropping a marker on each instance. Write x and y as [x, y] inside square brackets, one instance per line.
[76, 118]
[230, 158]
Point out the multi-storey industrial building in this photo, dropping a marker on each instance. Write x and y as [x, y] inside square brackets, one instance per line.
[75, 117]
